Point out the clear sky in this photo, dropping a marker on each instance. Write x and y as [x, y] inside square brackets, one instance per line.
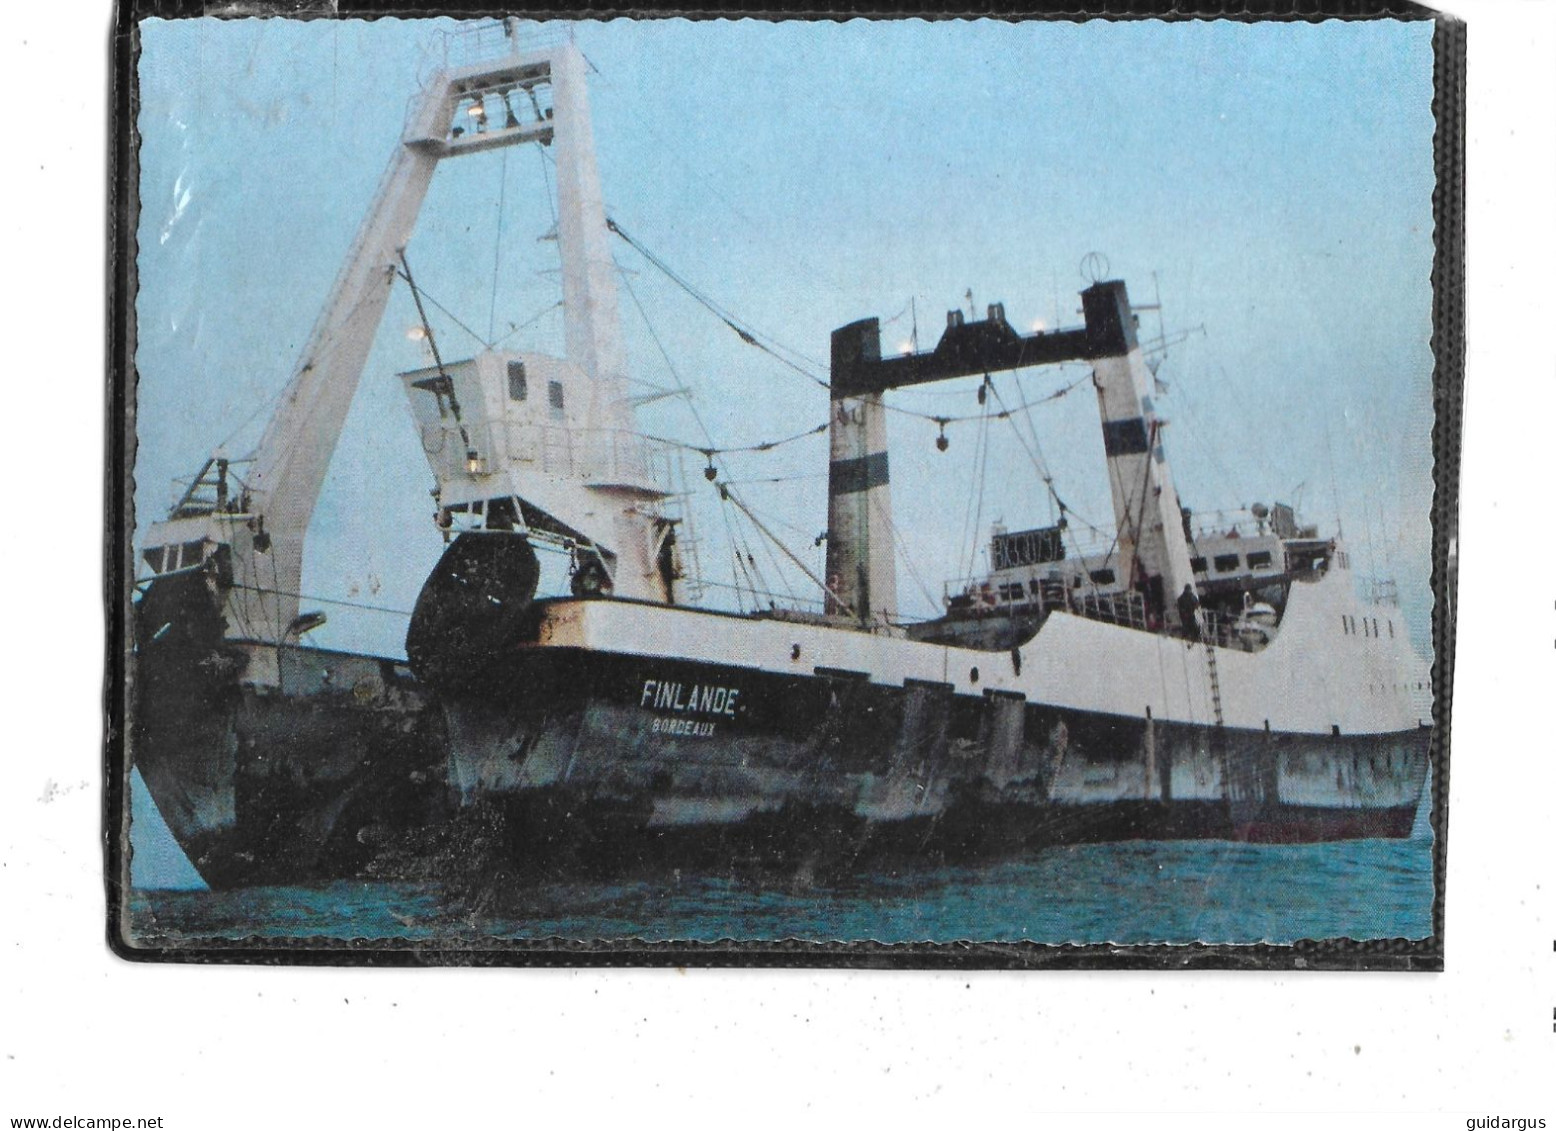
[1272, 180]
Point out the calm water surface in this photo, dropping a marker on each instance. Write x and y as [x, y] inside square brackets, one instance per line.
[1127, 893]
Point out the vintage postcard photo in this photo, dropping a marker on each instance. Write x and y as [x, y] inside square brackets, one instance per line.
[781, 490]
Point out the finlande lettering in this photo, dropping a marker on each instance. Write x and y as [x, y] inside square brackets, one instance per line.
[700, 699]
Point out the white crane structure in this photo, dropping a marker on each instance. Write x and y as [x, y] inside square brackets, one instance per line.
[597, 497]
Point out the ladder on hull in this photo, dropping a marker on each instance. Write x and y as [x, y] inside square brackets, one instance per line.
[1241, 786]
[1215, 684]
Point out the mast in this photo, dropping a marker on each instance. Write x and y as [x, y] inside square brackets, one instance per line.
[860, 559]
[861, 564]
[590, 315]
[1153, 546]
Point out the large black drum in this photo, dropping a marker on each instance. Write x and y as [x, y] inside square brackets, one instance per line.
[473, 608]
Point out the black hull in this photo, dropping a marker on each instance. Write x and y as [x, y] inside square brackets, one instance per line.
[323, 777]
[293, 790]
[581, 762]
[554, 833]
[562, 760]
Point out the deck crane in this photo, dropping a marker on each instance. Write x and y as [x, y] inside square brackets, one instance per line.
[244, 538]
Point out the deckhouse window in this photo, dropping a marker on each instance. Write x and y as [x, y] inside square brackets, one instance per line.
[555, 389]
[1197, 565]
[1103, 576]
[1226, 563]
[1259, 559]
[518, 381]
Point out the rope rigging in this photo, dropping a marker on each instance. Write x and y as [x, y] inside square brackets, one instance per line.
[526, 324]
[502, 193]
[421, 295]
[740, 544]
[747, 333]
[712, 450]
[944, 420]
[770, 346]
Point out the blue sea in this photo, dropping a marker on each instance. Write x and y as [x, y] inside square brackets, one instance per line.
[1139, 892]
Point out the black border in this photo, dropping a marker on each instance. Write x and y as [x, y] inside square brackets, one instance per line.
[1448, 307]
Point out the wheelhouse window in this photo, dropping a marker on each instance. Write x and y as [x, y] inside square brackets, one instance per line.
[1103, 576]
[557, 401]
[518, 381]
[1259, 559]
[1226, 563]
[1197, 565]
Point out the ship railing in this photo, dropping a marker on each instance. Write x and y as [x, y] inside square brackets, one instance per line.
[1233, 632]
[989, 597]
[1217, 629]
[1089, 543]
[1127, 609]
[983, 595]
[490, 39]
[484, 42]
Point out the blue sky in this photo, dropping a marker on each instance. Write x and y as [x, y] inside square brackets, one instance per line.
[1272, 180]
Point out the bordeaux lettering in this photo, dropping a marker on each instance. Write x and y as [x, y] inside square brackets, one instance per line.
[686, 728]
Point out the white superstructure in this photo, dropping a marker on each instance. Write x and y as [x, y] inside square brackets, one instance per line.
[579, 458]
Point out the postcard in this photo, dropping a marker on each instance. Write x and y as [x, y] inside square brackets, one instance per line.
[881, 492]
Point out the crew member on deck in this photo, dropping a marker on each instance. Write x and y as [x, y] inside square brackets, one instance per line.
[1188, 613]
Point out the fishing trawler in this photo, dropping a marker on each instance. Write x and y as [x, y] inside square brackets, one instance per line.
[1185, 682]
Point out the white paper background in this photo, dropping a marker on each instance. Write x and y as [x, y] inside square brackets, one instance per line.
[82, 1033]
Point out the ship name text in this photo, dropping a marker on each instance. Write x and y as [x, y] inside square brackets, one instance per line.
[699, 699]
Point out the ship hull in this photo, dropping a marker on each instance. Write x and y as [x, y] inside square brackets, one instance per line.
[612, 762]
[321, 779]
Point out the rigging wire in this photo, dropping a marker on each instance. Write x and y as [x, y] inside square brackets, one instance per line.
[452, 317]
[983, 484]
[742, 591]
[745, 331]
[270, 400]
[556, 224]
[323, 600]
[665, 146]
[941, 419]
[1038, 463]
[737, 537]
[726, 493]
[972, 515]
[762, 446]
[904, 554]
[266, 403]
[502, 194]
[527, 323]
[448, 383]
[795, 478]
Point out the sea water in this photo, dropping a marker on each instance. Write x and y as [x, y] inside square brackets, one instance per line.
[1137, 892]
